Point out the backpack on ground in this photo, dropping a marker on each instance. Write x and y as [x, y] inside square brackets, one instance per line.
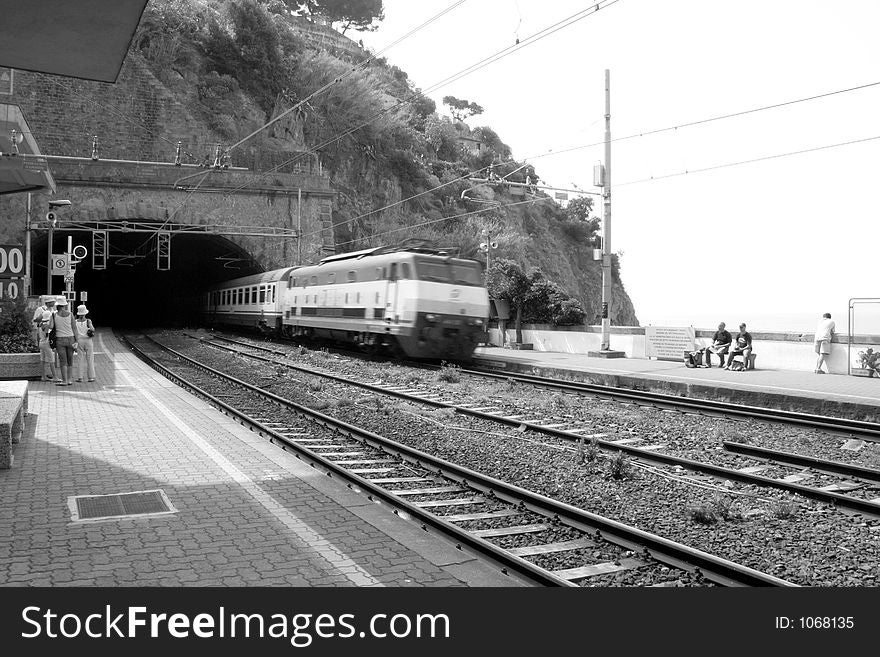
[737, 366]
[694, 358]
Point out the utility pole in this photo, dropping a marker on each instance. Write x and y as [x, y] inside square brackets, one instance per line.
[606, 224]
[603, 179]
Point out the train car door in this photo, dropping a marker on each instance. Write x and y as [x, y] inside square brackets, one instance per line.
[392, 310]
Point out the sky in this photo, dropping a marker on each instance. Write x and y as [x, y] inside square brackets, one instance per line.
[774, 243]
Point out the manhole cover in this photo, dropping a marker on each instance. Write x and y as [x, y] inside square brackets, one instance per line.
[120, 505]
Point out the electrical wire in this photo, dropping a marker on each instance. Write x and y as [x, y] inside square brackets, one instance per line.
[632, 136]
[751, 161]
[340, 78]
[455, 216]
[722, 117]
[547, 31]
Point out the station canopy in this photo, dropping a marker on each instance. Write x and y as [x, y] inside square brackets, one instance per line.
[85, 39]
[24, 170]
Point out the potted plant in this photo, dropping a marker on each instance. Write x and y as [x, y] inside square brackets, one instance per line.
[19, 356]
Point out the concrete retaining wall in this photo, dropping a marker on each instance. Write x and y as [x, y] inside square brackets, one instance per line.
[775, 350]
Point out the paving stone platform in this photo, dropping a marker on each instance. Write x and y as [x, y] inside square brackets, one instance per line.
[244, 512]
[839, 395]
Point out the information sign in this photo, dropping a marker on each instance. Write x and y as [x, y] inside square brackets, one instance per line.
[59, 264]
[11, 261]
[668, 342]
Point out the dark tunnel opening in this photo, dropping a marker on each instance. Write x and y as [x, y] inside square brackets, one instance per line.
[131, 291]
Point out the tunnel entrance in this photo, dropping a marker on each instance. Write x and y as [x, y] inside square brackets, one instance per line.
[131, 291]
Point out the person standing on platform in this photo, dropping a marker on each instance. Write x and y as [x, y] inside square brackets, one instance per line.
[85, 331]
[65, 340]
[47, 355]
[48, 305]
[720, 345]
[824, 333]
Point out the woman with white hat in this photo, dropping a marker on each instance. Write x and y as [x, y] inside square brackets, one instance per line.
[65, 340]
[84, 333]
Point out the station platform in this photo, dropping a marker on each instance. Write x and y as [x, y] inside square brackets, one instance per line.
[837, 395]
[241, 512]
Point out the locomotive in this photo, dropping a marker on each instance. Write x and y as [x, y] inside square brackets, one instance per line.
[411, 300]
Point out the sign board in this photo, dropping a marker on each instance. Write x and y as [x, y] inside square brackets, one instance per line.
[9, 289]
[83, 296]
[68, 278]
[11, 261]
[668, 342]
[59, 264]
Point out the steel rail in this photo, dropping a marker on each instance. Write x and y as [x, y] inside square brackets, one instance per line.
[508, 562]
[814, 462]
[867, 430]
[856, 504]
[675, 554]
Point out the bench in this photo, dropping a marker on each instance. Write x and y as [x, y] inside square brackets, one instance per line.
[13, 409]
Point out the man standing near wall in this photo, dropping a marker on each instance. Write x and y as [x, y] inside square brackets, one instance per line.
[824, 333]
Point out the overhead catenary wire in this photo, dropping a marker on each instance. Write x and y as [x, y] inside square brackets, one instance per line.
[454, 216]
[547, 31]
[750, 161]
[552, 152]
[689, 124]
[340, 78]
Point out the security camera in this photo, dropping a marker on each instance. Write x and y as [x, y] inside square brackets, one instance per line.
[59, 203]
[51, 216]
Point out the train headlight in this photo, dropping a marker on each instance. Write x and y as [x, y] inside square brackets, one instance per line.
[431, 318]
[476, 322]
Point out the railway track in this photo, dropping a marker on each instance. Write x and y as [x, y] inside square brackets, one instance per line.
[849, 478]
[420, 486]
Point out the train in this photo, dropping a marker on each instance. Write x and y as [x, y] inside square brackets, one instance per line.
[415, 301]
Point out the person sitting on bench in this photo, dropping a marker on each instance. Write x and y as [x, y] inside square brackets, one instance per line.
[720, 345]
[743, 347]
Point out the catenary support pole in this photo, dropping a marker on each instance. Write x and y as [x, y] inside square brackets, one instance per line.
[606, 227]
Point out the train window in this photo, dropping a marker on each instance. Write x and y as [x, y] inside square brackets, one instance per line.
[294, 300]
[393, 275]
[404, 270]
[331, 277]
[263, 294]
[378, 273]
[358, 298]
[254, 294]
[432, 271]
[273, 294]
[466, 273]
[247, 295]
[314, 280]
[239, 297]
[346, 297]
[352, 276]
[377, 298]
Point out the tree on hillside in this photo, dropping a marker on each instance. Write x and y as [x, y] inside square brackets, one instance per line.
[357, 14]
[578, 212]
[548, 303]
[461, 109]
[508, 282]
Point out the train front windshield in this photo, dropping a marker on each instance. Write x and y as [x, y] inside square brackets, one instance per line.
[457, 273]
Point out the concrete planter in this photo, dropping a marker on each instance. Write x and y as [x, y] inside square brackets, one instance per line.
[20, 366]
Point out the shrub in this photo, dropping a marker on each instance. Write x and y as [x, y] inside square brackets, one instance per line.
[449, 373]
[15, 328]
[619, 466]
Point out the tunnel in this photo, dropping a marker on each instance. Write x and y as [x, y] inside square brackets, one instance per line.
[131, 291]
